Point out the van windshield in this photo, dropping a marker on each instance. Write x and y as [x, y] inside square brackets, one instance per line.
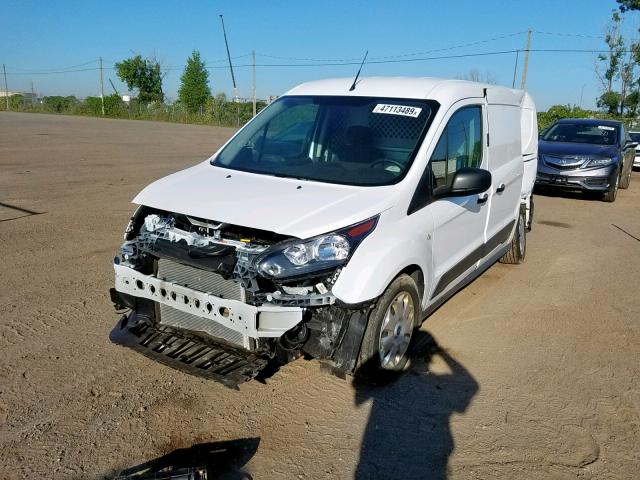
[333, 139]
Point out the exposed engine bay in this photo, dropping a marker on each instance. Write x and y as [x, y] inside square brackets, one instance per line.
[213, 299]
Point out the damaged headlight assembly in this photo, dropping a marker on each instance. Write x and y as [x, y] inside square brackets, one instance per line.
[302, 257]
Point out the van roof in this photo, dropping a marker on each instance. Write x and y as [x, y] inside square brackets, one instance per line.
[445, 91]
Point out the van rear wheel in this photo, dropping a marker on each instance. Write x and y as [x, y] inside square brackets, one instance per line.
[385, 346]
[518, 249]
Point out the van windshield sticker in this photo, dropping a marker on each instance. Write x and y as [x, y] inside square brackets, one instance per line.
[403, 110]
[602, 127]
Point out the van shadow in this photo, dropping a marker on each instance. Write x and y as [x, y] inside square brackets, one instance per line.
[408, 435]
[212, 460]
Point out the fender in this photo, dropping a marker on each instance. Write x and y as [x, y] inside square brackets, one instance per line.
[382, 256]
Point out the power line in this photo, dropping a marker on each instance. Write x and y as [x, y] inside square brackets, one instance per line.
[562, 34]
[53, 70]
[338, 64]
[454, 47]
[421, 59]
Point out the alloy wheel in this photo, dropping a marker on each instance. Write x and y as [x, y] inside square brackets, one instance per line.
[396, 330]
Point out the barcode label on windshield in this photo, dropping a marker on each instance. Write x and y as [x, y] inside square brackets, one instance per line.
[403, 110]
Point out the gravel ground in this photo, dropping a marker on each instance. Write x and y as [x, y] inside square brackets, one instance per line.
[537, 376]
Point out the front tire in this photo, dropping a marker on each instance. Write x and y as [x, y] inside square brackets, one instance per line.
[385, 345]
[624, 183]
[611, 194]
[518, 249]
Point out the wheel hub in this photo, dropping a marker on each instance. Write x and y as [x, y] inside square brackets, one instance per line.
[395, 332]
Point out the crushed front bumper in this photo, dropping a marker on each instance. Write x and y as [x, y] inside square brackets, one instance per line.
[270, 334]
[248, 320]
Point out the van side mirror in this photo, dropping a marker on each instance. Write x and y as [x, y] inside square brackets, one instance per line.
[466, 181]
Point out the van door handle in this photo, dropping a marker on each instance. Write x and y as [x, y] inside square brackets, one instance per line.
[483, 198]
[501, 188]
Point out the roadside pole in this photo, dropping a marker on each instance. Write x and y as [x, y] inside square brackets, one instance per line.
[515, 70]
[253, 55]
[6, 88]
[526, 61]
[33, 95]
[101, 87]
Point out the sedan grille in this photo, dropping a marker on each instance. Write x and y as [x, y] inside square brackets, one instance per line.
[563, 163]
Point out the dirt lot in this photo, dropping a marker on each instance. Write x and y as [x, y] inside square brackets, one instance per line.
[540, 378]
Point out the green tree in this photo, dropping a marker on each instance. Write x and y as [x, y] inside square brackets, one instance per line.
[626, 5]
[612, 59]
[194, 89]
[556, 112]
[59, 104]
[632, 103]
[610, 102]
[144, 75]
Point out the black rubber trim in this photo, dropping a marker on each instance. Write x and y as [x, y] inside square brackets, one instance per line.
[189, 353]
[479, 253]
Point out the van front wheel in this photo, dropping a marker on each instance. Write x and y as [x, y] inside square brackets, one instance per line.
[389, 331]
[518, 248]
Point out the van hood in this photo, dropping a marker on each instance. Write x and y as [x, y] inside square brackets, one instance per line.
[580, 149]
[286, 206]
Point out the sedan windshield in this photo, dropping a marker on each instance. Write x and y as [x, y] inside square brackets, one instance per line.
[345, 140]
[582, 133]
[635, 136]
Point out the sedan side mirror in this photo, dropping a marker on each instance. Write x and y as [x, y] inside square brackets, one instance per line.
[466, 181]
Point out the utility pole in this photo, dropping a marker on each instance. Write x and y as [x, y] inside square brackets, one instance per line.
[526, 61]
[253, 56]
[6, 88]
[101, 87]
[515, 70]
[33, 95]
[581, 92]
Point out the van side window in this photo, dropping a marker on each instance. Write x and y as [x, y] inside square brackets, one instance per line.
[459, 146]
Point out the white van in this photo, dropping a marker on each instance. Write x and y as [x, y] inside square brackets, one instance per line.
[332, 224]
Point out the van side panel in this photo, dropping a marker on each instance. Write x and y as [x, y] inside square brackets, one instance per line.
[506, 166]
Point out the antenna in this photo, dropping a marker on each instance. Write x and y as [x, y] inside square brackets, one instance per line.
[233, 78]
[353, 85]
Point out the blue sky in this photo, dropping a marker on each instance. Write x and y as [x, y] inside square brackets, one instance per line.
[44, 36]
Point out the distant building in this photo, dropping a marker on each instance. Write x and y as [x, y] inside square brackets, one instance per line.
[28, 96]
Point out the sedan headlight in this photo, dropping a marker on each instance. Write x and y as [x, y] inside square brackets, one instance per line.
[599, 162]
[301, 257]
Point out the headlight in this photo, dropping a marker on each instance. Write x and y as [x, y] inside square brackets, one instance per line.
[298, 258]
[599, 162]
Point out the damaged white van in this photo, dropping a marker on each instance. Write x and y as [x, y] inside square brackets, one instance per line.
[331, 225]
